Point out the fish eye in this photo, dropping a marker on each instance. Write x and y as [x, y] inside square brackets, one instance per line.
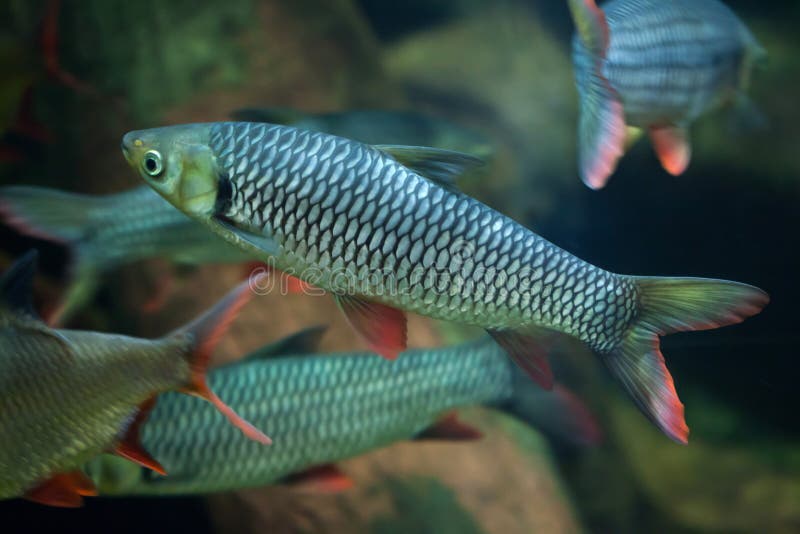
[152, 164]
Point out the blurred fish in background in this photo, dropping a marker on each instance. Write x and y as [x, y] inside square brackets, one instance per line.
[324, 408]
[655, 66]
[70, 395]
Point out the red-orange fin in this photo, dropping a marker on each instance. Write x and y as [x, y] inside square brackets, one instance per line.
[450, 428]
[64, 489]
[130, 446]
[672, 146]
[529, 352]
[668, 305]
[325, 478]
[206, 331]
[382, 327]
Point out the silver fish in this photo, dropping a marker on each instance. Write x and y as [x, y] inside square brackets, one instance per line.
[384, 230]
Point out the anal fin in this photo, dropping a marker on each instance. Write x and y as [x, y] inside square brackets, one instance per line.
[326, 478]
[529, 352]
[64, 489]
[382, 327]
[130, 447]
[450, 428]
[671, 144]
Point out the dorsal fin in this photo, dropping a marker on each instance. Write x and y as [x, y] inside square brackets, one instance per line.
[436, 164]
[16, 285]
[300, 343]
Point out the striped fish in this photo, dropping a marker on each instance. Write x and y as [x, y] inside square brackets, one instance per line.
[383, 228]
[325, 408]
[654, 65]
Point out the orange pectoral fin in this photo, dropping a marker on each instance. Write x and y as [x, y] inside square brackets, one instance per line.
[130, 447]
[64, 489]
[671, 144]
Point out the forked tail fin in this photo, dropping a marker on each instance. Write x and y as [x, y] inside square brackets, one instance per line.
[64, 218]
[668, 305]
[205, 333]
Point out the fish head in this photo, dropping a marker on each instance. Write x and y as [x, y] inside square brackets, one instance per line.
[178, 163]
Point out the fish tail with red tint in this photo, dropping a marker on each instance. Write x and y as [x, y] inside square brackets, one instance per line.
[668, 305]
[205, 333]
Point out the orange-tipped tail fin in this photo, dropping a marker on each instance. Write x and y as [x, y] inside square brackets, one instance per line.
[668, 305]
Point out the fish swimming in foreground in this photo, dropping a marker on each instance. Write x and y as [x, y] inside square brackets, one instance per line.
[657, 66]
[376, 126]
[329, 407]
[67, 396]
[104, 232]
[382, 228]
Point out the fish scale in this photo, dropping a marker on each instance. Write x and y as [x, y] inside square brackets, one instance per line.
[346, 213]
[319, 409]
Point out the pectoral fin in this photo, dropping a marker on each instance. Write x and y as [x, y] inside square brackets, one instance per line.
[671, 144]
[382, 327]
[325, 478]
[64, 489]
[258, 243]
[602, 133]
[450, 428]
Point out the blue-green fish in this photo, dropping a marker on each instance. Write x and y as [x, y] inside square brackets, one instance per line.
[654, 65]
[107, 231]
[67, 396]
[328, 407]
[384, 230]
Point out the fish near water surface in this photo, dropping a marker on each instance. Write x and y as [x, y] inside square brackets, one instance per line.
[657, 66]
[67, 396]
[329, 407]
[383, 229]
[103, 232]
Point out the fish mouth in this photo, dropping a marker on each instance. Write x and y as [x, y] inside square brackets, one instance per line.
[131, 144]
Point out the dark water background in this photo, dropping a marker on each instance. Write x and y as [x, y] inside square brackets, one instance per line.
[735, 214]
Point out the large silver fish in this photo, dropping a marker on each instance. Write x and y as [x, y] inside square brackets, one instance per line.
[384, 230]
[655, 65]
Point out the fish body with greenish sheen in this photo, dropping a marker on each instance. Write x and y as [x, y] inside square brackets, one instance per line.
[323, 408]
